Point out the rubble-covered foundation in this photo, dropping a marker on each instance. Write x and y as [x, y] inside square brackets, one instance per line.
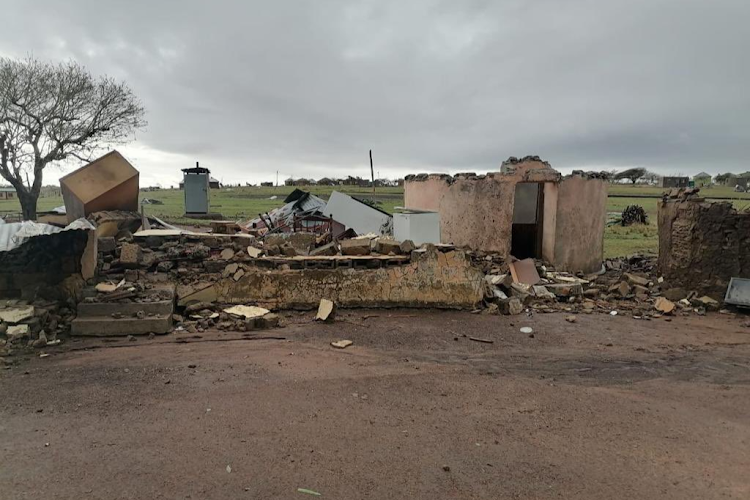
[426, 279]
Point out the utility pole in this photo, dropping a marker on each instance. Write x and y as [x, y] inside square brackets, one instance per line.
[372, 174]
[277, 178]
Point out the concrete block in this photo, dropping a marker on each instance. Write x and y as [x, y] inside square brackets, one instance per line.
[355, 247]
[387, 247]
[329, 249]
[407, 247]
[94, 309]
[130, 255]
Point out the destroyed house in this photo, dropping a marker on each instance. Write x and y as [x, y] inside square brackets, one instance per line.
[528, 209]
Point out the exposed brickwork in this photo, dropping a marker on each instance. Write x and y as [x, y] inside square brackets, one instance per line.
[703, 244]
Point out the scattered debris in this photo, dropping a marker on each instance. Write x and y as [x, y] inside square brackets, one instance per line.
[247, 311]
[570, 318]
[341, 344]
[484, 341]
[308, 492]
[527, 329]
[326, 311]
[664, 305]
[16, 314]
[524, 271]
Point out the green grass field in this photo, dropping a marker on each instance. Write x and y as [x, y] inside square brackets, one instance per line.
[246, 202]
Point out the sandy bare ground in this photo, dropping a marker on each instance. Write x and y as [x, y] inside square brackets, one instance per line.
[606, 407]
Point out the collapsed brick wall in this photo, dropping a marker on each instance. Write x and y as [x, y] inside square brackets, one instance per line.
[703, 244]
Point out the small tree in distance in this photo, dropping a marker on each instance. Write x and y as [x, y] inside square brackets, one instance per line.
[633, 174]
[53, 112]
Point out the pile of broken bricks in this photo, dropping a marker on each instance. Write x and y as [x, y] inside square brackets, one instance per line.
[28, 325]
[628, 284]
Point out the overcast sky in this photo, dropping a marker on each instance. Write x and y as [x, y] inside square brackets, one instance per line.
[307, 87]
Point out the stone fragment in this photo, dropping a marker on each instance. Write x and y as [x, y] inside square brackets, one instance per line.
[623, 288]
[254, 252]
[407, 247]
[288, 251]
[511, 306]
[355, 246]
[247, 311]
[41, 341]
[164, 266]
[106, 244]
[326, 310]
[130, 255]
[230, 269]
[226, 254]
[541, 292]
[239, 274]
[341, 344]
[272, 250]
[634, 279]
[570, 318]
[592, 292]
[675, 294]
[707, 302]
[16, 332]
[504, 280]
[329, 249]
[269, 320]
[664, 305]
[386, 247]
[16, 314]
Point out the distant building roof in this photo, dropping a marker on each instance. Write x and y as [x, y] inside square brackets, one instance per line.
[7, 189]
[702, 174]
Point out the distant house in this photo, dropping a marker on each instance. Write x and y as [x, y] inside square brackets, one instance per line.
[325, 181]
[742, 180]
[702, 179]
[7, 193]
[266, 184]
[48, 191]
[674, 182]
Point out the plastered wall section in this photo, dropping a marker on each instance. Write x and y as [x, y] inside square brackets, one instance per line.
[433, 279]
[579, 221]
[475, 212]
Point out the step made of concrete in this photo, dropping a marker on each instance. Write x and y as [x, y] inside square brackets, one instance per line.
[106, 326]
[89, 310]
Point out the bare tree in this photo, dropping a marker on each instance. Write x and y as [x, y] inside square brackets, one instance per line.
[633, 174]
[54, 112]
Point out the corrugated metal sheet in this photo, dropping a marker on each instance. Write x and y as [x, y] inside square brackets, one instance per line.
[308, 204]
[15, 234]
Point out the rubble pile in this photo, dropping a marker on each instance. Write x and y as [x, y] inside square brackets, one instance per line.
[36, 324]
[627, 284]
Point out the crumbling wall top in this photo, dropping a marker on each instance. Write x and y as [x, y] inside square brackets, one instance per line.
[511, 161]
[589, 175]
[526, 169]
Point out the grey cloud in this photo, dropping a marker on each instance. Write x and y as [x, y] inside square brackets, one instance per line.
[309, 87]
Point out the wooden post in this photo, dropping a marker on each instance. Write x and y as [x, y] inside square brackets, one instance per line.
[372, 174]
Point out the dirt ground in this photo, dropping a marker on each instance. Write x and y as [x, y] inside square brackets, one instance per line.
[606, 407]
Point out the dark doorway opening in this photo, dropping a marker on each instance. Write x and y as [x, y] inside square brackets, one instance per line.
[526, 235]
